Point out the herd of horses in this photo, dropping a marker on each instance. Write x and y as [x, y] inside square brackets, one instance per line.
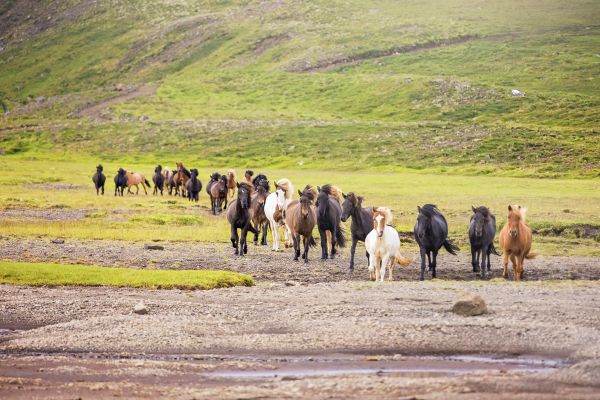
[252, 207]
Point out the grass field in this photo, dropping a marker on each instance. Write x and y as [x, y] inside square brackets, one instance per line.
[45, 274]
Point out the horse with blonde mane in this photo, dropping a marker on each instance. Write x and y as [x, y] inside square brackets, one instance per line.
[135, 179]
[516, 240]
[275, 204]
[231, 183]
[383, 246]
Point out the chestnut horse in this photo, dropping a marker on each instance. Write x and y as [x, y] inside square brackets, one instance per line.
[180, 178]
[301, 218]
[515, 240]
[231, 183]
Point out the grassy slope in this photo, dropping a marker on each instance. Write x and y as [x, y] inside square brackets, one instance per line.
[228, 73]
[44, 274]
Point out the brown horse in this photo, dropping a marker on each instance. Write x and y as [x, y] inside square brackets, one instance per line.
[218, 193]
[515, 240]
[301, 218]
[257, 212]
[231, 183]
[180, 178]
[135, 179]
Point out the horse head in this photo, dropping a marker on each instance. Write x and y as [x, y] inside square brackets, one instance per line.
[193, 173]
[322, 202]
[351, 202]
[515, 217]
[99, 168]
[158, 169]
[423, 223]
[381, 217]
[243, 196]
[480, 217]
[261, 197]
[307, 196]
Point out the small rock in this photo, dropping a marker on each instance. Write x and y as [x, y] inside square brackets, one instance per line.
[58, 241]
[148, 246]
[140, 308]
[292, 283]
[470, 305]
[517, 93]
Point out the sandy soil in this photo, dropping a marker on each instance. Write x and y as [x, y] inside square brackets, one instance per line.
[303, 331]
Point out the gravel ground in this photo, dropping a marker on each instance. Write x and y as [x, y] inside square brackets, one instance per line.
[267, 266]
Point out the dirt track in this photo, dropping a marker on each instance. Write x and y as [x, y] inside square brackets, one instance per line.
[303, 331]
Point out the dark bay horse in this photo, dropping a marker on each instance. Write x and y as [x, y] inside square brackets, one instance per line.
[261, 180]
[482, 230]
[238, 216]
[362, 221]
[301, 218]
[159, 180]
[431, 233]
[257, 211]
[193, 186]
[217, 190]
[99, 179]
[120, 181]
[329, 211]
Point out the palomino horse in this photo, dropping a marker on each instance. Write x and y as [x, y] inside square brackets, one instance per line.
[159, 180]
[99, 180]
[482, 230]
[383, 246]
[515, 240]
[275, 205]
[238, 216]
[329, 211]
[231, 183]
[431, 233]
[180, 178]
[301, 218]
[257, 212]
[120, 181]
[135, 179]
[362, 221]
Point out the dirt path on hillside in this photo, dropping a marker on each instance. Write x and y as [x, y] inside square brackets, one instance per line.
[97, 111]
[267, 266]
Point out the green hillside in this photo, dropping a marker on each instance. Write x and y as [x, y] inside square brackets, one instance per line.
[379, 85]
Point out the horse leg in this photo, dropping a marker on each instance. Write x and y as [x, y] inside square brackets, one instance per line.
[263, 241]
[296, 244]
[323, 236]
[434, 264]
[520, 261]
[275, 233]
[505, 263]
[306, 246]
[243, 245]
[384, 263]
[489, 252]
[372, 262]
[423, 256]
[234, 239]
[513, 260]
[474, 258]
[484, 254]
[352, 250]
[391, 267]
[333, 243]
[429, 260]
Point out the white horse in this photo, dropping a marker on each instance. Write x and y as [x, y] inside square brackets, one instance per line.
[383, 246]
[275, 205]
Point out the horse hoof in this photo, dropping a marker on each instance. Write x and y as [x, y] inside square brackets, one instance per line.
[324, 257]
[332, 256]
[295, 258]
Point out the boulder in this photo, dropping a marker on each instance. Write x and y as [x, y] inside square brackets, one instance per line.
[470, 305]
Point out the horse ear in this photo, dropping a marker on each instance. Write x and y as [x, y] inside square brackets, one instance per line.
[344, 195]
[237, 184]
[509, 207]
[374, 209]
[359, 200]
[419, 209]
[299, 192]
[473, 207]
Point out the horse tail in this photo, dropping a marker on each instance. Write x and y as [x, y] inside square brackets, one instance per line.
[493, 250]
[402, 261]
[339, 236]
[312, 242]
[531, 255]
[450, 247]
[147, 183]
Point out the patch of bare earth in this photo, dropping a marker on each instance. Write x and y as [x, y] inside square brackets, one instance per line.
[97, 111]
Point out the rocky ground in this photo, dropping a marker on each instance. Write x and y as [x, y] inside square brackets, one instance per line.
[303, 331]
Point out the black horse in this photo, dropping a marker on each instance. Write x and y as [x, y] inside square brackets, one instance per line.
[431, 233]
[159, 180]
[238, 216]
[99, 179]
[482, 230]
[362, 221]
[261, 180]
[193, 185]
[120, 181]
[329, 213]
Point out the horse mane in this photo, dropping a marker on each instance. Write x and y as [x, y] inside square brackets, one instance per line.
[309, 192]
[521, 210]
[483, 211]
[232, 173]
[215, 176]
[223, 179]
[246, 186]
[334, 192]
[249, 172]
[286, 185]
[387, 213]
[167, 169]
[256, 180]
[429, 210]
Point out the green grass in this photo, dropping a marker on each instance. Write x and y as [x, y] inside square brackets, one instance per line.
[45, 274]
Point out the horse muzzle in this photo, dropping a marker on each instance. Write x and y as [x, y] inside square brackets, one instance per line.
[513, 233]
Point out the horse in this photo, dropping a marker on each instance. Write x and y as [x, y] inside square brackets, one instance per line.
[217, 190]
[383, 246]
[261, 180]
[275, 205]
[238, 216]
[257, 211]
[159, 180]
[431, 233]
[301, 218]
[482, 230]
[180, 178]
[135, 179]
[231, 183]
[193, 185]
[329, 211]
[99, 179]
[120, 181]
[248, 176]
[362, 221]
[515, 240]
